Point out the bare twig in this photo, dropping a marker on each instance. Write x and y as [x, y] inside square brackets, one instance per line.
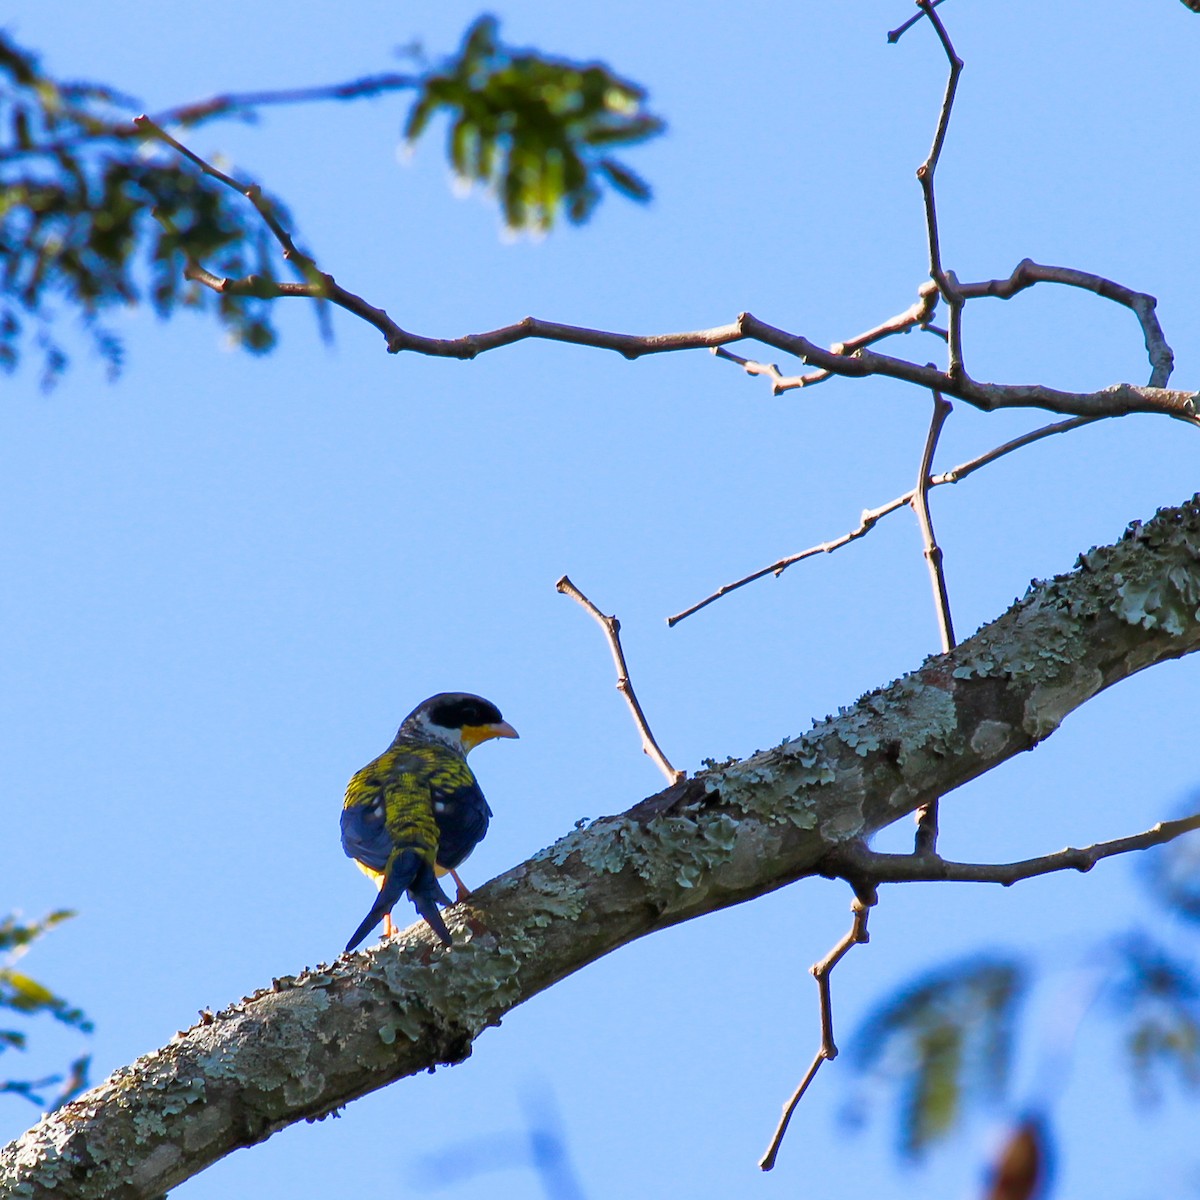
[196, 112]
[612, 631]
[865, 869]
[232, 102]
[827, 1050]
[916, 316]
[1027, 272]
[927, 814]
[855, 861]
[251, 191]
[894, 35]
[945, 280]
[920, 505]
[871, 516]
[1116, 400]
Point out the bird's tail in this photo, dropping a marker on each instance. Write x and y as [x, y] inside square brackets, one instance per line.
[407, 872]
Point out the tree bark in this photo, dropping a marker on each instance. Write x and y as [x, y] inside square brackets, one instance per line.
[310, 1043]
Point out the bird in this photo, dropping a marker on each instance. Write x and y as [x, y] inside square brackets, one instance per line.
[416, 812]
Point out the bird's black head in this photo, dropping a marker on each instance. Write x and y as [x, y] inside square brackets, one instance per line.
[459, 719]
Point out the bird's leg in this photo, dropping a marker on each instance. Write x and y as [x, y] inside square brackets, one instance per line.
[389, 929]
[463, 890]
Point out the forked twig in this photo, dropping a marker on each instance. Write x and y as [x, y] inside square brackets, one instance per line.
[612, 631]
[857, 861]
[866, 869]
[916, 316]
[894, 35]
[872, 516]
[945, 280]
[827, 1050]
[1027, 272]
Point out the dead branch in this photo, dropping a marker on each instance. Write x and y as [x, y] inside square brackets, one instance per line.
[857, 935]
[871, 516]
[612, 631]
[1115, 400]
[916, 316]
[856, 861]
[1027, 272]
[308, 1043]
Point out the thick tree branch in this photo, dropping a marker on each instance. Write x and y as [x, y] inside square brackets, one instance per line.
[309, 1043]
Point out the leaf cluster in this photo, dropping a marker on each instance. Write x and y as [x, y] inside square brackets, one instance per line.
[538, 130]
[945, 1041]
[92, 217]
[79, 198]
[25, 996]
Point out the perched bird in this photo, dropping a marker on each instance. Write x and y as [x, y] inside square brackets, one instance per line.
[416, 812]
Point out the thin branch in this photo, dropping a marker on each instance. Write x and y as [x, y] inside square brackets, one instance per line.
[1027, 272]
[894, 35]
[216, 106]
[871, 516]
[196, 112]
[856, 862]
[251, 191]
[612, 631]
[945, 280]
[827, 1050]
[916, 316]
[927, 814]
[1115, 400]
[919, 503]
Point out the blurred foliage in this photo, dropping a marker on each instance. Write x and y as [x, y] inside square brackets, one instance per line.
[1172, 871]
[946, 1040]
[538, 130]
[78, 234]
[26, 997]
[540, 1147]
[93, 216]
[1155, 998]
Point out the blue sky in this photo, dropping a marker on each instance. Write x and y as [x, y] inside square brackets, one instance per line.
[227, 579]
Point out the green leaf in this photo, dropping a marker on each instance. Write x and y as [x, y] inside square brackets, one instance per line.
[944, 1043]
[530, 127]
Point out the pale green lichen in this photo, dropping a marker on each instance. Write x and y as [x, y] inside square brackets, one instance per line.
[1149, 593]
[558, 898]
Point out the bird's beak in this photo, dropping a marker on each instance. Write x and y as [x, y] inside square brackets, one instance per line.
[472, 735]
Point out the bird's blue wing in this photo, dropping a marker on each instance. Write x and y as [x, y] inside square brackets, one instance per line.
[364, 834]
[462, 816]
